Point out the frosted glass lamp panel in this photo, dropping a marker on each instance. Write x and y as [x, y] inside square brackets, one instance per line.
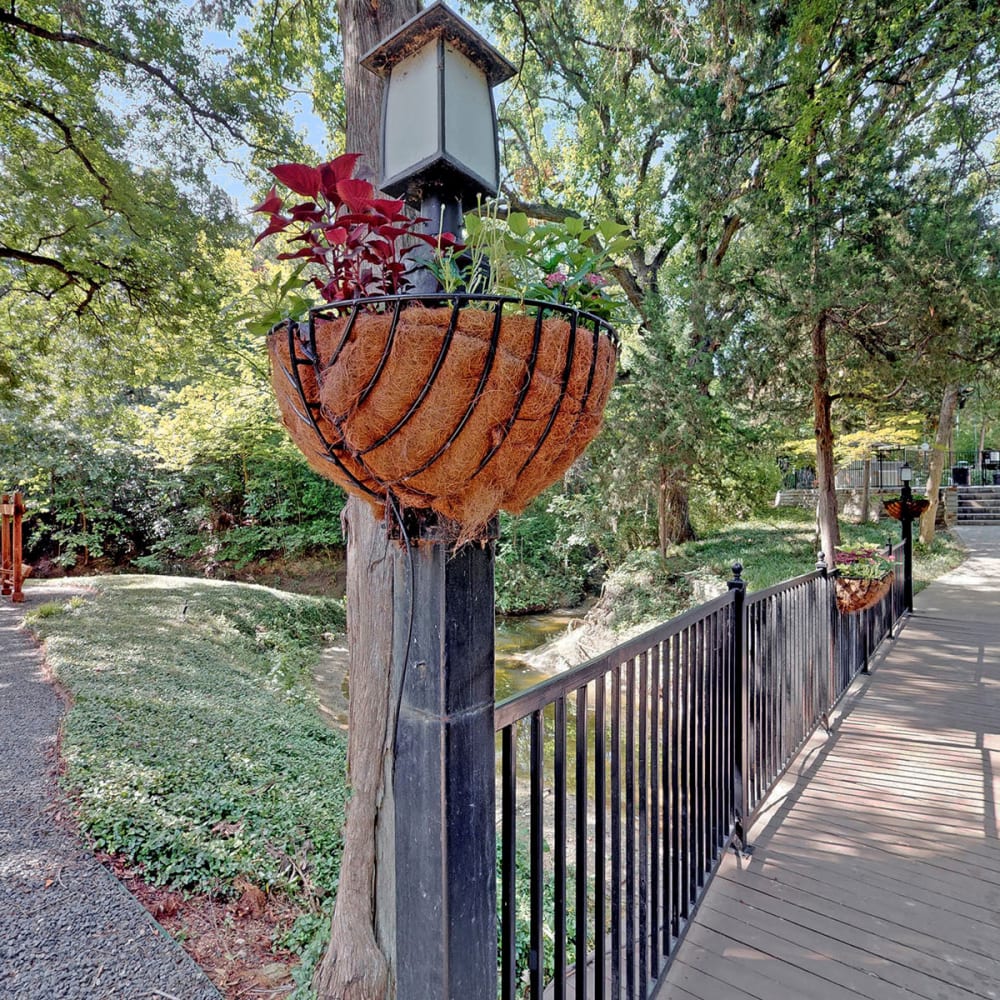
[469, 130]
[411, 112]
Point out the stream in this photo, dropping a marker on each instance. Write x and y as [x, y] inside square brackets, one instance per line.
[515, 635]
[518, 634]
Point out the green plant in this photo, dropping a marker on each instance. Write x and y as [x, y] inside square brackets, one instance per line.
[565, 262]
[863, 562]
[192, 748]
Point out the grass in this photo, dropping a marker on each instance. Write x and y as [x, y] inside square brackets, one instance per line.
[193, 748]
[771, 547]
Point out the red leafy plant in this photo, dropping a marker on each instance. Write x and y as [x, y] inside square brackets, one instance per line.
[354, 244]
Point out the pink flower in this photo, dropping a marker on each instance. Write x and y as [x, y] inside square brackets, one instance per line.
[555, 278]
[596, 280]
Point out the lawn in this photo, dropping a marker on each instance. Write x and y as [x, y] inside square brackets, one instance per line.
[193, 750]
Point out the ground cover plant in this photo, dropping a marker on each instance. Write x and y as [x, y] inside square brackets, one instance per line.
[193, 752]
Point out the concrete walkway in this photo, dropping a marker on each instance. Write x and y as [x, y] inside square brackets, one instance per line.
[876, 864]
[68, 929]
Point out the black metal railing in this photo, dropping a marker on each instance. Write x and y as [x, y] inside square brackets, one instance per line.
[625, 779]
[881, 470]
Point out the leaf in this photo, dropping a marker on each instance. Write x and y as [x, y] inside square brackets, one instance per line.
[518, 223]
[299, 177]
[609, 228]
[336, 170]
[391, 208]
[574, 225]
[276, 225]
[271, 204]
[356, 193]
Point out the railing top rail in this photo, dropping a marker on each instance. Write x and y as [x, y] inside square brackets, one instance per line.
[522, 704]
[780, 588]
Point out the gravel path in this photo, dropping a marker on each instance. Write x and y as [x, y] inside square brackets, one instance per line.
[68, 929]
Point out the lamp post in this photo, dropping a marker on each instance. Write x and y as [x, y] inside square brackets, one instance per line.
[439, 151]
[906, 498]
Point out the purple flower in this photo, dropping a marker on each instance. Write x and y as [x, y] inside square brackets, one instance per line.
[555, 278]
[596, 280]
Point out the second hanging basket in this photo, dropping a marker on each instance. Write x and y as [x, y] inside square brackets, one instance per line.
[855, 595]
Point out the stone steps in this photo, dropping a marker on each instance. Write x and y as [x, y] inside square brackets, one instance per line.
[978, 505]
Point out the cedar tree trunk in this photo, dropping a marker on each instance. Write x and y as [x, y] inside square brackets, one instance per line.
[358, 964]
[949, 403]
[673, 512]
[826, 507]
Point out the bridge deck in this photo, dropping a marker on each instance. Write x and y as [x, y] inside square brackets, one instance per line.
[876, 863]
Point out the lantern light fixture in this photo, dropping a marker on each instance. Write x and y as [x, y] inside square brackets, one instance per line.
[905, 472]
[439, 132]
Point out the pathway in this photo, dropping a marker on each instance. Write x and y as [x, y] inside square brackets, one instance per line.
[68, 929]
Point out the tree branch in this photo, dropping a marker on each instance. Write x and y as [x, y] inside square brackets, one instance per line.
[198, 114]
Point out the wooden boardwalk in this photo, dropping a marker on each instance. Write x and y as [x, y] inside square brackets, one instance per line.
[876, 863]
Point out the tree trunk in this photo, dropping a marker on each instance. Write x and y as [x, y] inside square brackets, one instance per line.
[866, 491]
[826, 507]
[359, 962]
[673, 513]
[949, 402]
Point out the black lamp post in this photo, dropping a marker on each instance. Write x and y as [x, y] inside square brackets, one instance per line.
[906, 498]
[439, 151]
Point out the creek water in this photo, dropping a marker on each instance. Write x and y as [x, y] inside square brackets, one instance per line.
[515, 635]
[519, 634]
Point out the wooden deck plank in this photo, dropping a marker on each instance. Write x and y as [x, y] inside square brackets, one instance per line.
[919, 970]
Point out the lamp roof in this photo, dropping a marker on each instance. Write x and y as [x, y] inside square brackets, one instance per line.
[432, 22]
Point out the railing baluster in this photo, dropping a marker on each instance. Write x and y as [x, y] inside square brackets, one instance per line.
[616, 834]
[536, 847]
[600, 840]
[655, 816]
[559, 848]
[630, 821]
[508, 866]
[582, 849]
[643, 793]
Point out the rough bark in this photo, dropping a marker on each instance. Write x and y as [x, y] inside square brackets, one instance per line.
[949, 403]
[826, 507]
[866, 492]
[358, 964]
[355, 966]
[673, 512]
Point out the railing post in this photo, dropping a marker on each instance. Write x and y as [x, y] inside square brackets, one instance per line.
[739, 702]
[11, 555]
[832, 633]
[906, 500]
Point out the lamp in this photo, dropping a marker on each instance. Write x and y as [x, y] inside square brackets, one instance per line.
[905, 472]
[439, 134]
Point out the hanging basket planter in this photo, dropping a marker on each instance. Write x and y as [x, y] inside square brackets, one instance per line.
[895, 507]
[856, 595]
[460, 404]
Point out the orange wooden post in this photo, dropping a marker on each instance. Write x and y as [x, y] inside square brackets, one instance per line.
[11, 513]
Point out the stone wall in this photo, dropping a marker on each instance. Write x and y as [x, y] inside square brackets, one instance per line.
[849, 503]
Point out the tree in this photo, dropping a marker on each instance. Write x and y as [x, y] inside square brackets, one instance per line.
[358, 964]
